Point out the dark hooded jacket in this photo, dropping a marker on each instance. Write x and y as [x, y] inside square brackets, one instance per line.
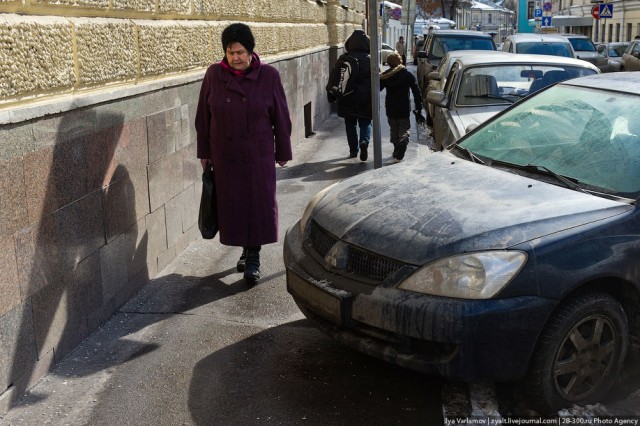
[358, 105]
[398, 81]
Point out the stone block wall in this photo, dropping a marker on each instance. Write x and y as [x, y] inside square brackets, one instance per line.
[99, 180]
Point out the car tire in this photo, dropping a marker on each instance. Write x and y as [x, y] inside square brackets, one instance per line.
[562, 374]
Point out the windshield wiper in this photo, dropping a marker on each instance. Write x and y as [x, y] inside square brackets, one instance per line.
[544, 170]
[489, 95]
[569, 182]
[470, 154]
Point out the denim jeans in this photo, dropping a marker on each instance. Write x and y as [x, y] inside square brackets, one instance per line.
[352, 125]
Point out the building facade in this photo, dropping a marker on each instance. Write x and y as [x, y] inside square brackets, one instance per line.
[578, 16]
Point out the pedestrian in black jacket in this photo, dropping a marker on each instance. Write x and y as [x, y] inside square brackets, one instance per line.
[399, 82]
[354, 96]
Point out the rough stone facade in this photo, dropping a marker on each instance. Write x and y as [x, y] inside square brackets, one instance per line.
[99, 180]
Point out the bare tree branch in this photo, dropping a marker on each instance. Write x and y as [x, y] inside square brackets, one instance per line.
[437, 8]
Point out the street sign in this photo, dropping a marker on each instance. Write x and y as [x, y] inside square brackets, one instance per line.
[595, 12]
[546, 21]
[537, 13]
[606, 11]
[396, 13]
[547, 6]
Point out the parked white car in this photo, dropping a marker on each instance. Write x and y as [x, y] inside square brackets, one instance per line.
[480, 86]
[386, 50]
[539, 44]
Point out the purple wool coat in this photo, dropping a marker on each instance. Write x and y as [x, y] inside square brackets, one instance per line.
[243, 127]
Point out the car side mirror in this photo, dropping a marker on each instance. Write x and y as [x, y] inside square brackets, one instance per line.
[422, 54]
[433, 75]
[470, 127]
[437, 98]
[601, 48]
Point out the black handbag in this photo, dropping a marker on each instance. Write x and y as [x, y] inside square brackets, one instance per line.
[208, 216]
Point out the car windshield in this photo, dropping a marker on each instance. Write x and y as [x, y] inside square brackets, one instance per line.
[582, 44]
[500, 84]
[442, 45]
[617, 51]
[590, 136]
[543, 48]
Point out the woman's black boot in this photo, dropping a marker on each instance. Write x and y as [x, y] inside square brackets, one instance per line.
[252, 265]
[242, 261]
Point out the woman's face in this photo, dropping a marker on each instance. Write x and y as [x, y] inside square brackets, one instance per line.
[238, 57]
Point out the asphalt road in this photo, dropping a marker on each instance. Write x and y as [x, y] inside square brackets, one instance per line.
[198, 346]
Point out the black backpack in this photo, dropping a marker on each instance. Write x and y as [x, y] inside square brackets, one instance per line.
[342, 78]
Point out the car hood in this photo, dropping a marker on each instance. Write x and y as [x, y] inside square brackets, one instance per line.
[475, 116]
[593, 57]
[420, 211]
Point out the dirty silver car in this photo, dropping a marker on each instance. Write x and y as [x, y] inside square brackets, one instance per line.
[510, 256]
[477, 87]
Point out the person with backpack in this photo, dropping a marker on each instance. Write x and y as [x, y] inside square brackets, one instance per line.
[399, 82]
[350, 86]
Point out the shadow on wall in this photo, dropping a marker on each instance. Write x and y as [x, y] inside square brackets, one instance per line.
[84, 252]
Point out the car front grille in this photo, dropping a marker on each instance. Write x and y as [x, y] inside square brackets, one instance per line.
[356, 262]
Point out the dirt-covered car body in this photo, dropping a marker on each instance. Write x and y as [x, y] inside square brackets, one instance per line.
[511, 255]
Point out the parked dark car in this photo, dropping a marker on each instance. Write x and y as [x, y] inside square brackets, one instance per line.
[439, 42]
[586, 50]
[613, 51]
[510, 256]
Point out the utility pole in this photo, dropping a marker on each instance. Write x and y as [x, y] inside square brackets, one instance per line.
[374, 50]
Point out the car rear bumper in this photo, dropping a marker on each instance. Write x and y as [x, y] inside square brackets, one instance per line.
[455, 338]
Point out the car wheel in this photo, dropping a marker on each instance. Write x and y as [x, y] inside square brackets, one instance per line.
[579, 353]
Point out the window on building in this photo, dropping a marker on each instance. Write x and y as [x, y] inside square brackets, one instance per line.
[617, 32]
[530, 10]
[629, 29]
[602, 33]
[489, 18]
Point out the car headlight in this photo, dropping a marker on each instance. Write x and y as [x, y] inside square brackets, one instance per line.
[467, 276]
[312, 205]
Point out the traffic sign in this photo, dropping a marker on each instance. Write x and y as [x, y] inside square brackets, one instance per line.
[546, 6]
[606, 11]
[396, 13]
[595, 12]
[546, 21]
[537, 13]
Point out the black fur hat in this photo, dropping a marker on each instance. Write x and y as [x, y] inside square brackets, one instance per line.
[239, 33]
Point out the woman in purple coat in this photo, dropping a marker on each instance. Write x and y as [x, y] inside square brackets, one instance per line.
[243, 129]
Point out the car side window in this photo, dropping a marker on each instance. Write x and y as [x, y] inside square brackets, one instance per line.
[450, 78]
[630, 48]
[438, 49]
[427, 44]
[636, 48]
